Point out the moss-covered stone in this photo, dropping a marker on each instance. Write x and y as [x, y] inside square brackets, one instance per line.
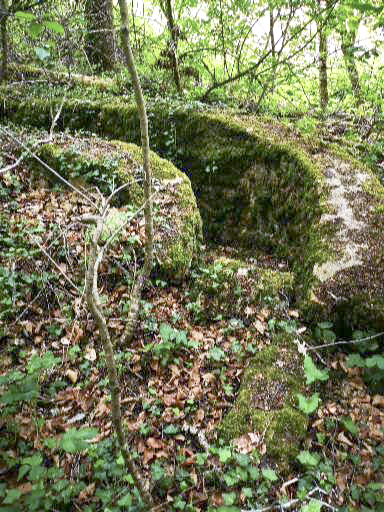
[177, 223]
[255, 190]
[237, 288]
[266, 402]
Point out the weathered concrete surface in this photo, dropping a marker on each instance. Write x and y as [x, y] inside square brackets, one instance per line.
[349, 283]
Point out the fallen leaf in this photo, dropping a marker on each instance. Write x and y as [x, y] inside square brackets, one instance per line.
[154, 443]
[90, 354]
[72, 375]
[148, 455]
[378, 400]
[259, 326]
[344, 439]
[199, 415]
[86, 493]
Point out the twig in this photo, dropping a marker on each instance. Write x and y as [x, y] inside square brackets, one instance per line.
[30, 152]
[33, 240]
[347, 342]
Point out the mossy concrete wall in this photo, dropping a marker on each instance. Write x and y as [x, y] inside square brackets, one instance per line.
[177, 222]
[249, 190]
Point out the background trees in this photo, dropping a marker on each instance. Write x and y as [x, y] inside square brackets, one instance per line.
[259, 53]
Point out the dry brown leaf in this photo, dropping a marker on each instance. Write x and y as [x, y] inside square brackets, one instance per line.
[154, 443]
[72, 375]
[148, 455]
[90, 354]
[199, 415]
[208, 378]
[196, 335]
[102, 409]
[259, 326]
[25, 488]
[247, 442]
[344, 439]
[170, 399]
[86, 493]
[378, 400]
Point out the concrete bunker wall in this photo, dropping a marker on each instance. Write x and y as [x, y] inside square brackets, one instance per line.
[250, 192]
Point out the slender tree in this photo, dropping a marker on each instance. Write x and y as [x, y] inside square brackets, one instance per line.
[4, 39]
[323, 57]
[174, 32]
[144, 274]
[348, 34]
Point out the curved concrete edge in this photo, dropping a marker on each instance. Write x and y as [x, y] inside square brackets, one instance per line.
[177, 221]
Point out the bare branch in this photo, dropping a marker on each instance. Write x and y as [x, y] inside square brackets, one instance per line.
[34, 241]
[46, 166]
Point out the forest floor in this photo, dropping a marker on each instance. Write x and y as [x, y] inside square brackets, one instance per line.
[178, 378]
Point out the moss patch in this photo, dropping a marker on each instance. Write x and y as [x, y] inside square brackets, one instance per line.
[109, 165]
[230, 288]
[266, 402]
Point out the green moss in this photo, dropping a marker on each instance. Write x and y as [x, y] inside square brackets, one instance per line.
[374, 188]
[266, 403]
[197, 142]
[98, 162]
[230, 287]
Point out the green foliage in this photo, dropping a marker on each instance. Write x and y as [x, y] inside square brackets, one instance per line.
[323, 332]
[174, 342]
[312, 373]
[75, 440]
[19, 387]
[373, 369]
[308, 405]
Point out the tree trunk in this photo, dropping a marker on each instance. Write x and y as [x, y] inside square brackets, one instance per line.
[100, 39]
[348, 40]
[4, 41]
[225, 67]
[173, 43]
[145, 272]
[273, 46]
[323, 67]
[322, 18]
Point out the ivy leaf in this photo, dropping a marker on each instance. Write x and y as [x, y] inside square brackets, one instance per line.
[269, 474]
[355, 360]
[158, 472]
[12, 496]
[55, 27]
[325, 325]
[308, 459]
[313, 506]
[26, 16]
[312, 372]
[225, 454]
[308, 405]
[35, 29]
[76, 440]
[350, 426]
[171, 430]
[376, 360]
[217, 354]
[229, 498]
[125, 501]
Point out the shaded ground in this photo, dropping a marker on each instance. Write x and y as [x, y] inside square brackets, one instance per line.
[178, 381]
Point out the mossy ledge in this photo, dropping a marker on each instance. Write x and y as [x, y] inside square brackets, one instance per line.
[249, 189]
[177, 223]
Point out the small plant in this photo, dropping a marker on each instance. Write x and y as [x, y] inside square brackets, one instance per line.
[174, 342]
